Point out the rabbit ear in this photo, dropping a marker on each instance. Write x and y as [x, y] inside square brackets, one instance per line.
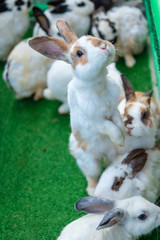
[50, 47]
[148, 96]
[128, 88]
[41, 19]
[65, 31]
[111, 218]
[94, 205]
[136, 159]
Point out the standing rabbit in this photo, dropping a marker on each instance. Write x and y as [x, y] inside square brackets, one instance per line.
[136, 173]
[75, 12]
[92, 96]
[14, 20]
[26, 70]
[126, 26]
[111, 220]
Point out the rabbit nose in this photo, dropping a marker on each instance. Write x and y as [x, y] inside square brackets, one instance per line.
[104, 47]
[129, 129]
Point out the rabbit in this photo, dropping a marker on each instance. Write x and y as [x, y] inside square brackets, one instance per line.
[57, 82]
[111, 220]
[92, 96]
[126, 27]
[107, 4]
[14, 20]
[141, 117]
[136, 173]
[26, 71]
[75, 12]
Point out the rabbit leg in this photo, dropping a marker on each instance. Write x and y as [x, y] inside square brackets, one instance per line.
[129, 60]
[38, 95]
[64, 108]
[48, 94]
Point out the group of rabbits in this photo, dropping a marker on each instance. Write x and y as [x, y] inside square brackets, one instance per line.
[109, 120]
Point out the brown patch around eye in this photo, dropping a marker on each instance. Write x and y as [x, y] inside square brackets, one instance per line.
[129, 120]
[78, 59]
[118, 181]
[145, 117]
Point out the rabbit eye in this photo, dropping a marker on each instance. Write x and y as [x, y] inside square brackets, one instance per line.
[117, 183]
[145, 115]
[79, 53]
[142, 216]
[82, 4]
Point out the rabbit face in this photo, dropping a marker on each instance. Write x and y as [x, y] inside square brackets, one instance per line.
[82, 7]
[89, 55]
[138, 120]
[141, 214]
[19, 5]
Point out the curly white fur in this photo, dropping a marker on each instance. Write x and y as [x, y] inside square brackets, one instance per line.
[113, 219]
[127, 24]
[14, 23]
[144, 183]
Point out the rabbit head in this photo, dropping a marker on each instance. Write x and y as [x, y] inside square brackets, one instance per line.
[87, 55]
[44, 25]
[80, 7]
[137, 116]
[135, 211]
[105, 3]
[18, 5]
[119, 180]
[103, 28]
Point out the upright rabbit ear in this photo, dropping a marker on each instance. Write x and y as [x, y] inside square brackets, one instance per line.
[128, 88]
[148, 96]
[50, 47]
[94, 205]
[136, 159]
[111, 218]
[65, 31]
[41, 19]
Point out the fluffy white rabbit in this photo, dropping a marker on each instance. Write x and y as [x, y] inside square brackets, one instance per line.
[126, 26]
[111, 220]
[92, 96]
[136, 173]
[141, 117]
[26, 70]
[14, 21]
[58, 78]
[75, 12]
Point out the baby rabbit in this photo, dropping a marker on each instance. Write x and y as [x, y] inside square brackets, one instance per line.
[92, 96]
[112, 220]
[75, 12]
[137, 173]
[141, 117]
[14, 23]
[126, 27]
[26, 71]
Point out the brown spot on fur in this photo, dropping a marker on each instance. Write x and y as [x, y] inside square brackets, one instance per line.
[76, 59]
[118, 181]
[81, 142]
[95, 41]
[146, 117]
[136, 159]
[129, 120]
[92, 182]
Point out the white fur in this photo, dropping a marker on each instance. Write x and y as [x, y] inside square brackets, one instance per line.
[77, 17]
[129, 227]
[145, 182]
[59, 76]
[26, 70]
[131, 29]
[13, 25]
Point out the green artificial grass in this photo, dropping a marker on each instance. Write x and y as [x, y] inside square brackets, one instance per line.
[39, 180]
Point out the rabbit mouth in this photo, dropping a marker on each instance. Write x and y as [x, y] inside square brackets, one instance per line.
[129, 130]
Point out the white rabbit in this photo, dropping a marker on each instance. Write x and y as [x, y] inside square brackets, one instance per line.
[57, 82]
[14, 21]
[141, 117]
[26, 70]
[111, 220]
[126, 26]
[137, 173]
[75, 12]
[92, 96]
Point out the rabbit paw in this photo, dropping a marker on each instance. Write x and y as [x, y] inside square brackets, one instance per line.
[130, 61]
[118, 139]
[63, 109]
[90, 191]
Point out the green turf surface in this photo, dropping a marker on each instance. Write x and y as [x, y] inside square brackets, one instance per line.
[39, 180]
